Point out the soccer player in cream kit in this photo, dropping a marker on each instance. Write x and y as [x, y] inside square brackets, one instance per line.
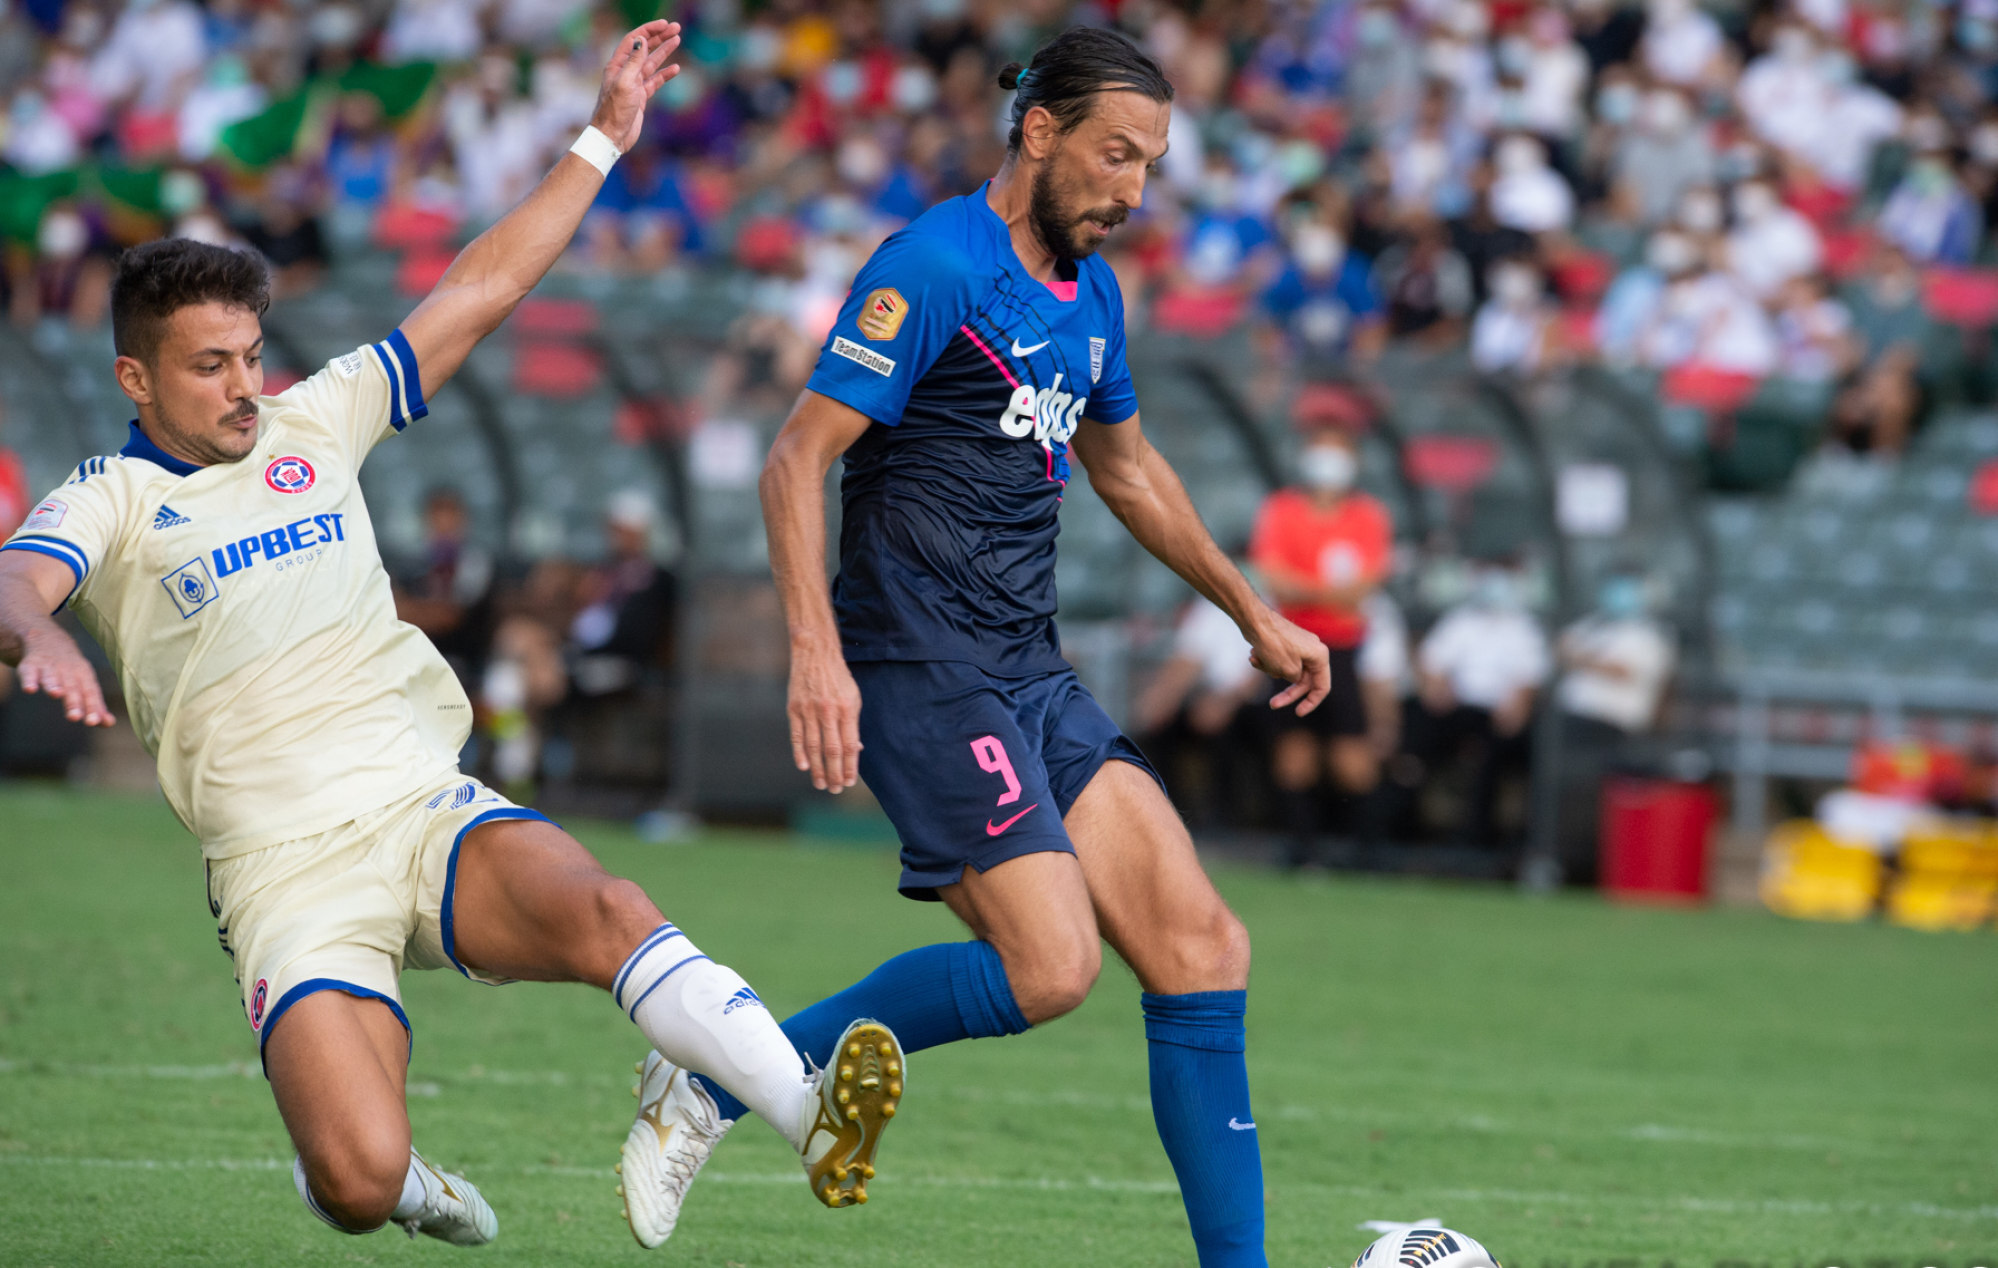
[225, 561]
[978, 349]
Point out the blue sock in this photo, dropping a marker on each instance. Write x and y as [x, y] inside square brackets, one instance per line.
[929, 996]
[1200, 1101]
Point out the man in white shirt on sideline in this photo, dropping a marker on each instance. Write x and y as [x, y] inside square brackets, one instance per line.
[1617, 662]
[1184, 715]
[1479, 673]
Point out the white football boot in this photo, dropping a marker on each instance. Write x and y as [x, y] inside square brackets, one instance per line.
[853, 1099]
[453, 1210]
[676, 1130]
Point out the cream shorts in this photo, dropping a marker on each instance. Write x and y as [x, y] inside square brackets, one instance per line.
[348, 909]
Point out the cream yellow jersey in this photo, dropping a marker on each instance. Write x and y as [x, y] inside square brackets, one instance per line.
[249, 617]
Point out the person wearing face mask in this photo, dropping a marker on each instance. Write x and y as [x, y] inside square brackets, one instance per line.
[1527, 194]
[1323, 548]
[1632, 301]
[1771, 244]
[1512, 330]
[1930, 215]
[1664, 153]
[1618, 661]
[1682, 44]
[1785, 94]
[1479, 673]
[1324, 302]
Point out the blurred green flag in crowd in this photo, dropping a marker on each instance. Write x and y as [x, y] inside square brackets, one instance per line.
[275, 134]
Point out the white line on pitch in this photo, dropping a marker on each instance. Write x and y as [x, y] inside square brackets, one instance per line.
[1651, 1133]
[1099, 1184]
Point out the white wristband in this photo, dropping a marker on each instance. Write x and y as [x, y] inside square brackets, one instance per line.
[596, 149]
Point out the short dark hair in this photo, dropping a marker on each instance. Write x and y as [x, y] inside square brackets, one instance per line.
[157, 279]
[1067, 72]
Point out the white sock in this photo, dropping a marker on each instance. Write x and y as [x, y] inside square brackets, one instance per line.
[703, 1017]
[312, 1204]
[413, 1195]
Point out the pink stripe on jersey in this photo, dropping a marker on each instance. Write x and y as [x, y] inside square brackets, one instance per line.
[990, 355]
[1063, 291]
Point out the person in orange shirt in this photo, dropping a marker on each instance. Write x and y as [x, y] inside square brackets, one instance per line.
[1322, 548]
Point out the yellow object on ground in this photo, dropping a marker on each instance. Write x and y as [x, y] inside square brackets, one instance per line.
[1808, 874]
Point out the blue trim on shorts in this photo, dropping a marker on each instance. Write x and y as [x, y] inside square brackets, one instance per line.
[314, 985]
[444, 923]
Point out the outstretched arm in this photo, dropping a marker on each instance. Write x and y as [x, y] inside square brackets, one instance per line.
[504, 263]
[32, 586]
[1140, 487]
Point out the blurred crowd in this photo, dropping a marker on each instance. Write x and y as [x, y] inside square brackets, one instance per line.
[568, 665]
[1429, 732]
[1724, 195]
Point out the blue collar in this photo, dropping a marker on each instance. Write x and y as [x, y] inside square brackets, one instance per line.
[142, 446]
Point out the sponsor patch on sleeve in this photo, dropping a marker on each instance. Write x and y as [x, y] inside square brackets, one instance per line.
[844, 347]
[50, 513]
[349, 365]
[882, 315]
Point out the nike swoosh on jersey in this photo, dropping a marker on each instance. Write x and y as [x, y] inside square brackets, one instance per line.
[993, 830]
[1018, 351]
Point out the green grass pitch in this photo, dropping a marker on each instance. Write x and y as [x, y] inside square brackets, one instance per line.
[1571, 1082]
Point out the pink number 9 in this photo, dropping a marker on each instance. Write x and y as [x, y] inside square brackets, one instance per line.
[991, 755]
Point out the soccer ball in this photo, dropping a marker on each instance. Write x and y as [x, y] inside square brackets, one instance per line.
[1425, 1248]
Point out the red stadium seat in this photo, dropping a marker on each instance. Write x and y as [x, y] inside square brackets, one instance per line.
[401, 227]
[1201, 313]
[766, 243]
[1847, 251]
[1454, 464]
[1984, 488]
[640, 421]
[1962, 297]
[1708, 387]
[1581, 277]
[556, 369]
[554, 317]
[420, 271]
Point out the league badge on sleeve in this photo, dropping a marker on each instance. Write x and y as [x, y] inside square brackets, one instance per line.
[1096, 358]
[48, 515]
[191, 586]
[290, 474]
[881, 316]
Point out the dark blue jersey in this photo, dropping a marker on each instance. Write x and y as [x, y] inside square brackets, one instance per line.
[975, 374]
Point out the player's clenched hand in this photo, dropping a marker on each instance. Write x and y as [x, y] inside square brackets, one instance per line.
[824, 707]
[1282, 650]
[637, 70]
[52, 665]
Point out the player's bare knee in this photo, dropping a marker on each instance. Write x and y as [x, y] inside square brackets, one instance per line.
[1211, 953]
[1232, 952]
[621, 917]
[1057, 980]
[360, 1185]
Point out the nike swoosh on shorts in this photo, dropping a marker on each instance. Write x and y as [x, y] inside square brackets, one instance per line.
[993, 830]
[1238, 1126]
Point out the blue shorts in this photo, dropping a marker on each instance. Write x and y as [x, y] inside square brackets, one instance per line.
[975, 769]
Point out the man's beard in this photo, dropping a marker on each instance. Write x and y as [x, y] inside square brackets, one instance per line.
[1062, 229]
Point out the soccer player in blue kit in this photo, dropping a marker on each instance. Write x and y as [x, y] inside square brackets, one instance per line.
[977, 348]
